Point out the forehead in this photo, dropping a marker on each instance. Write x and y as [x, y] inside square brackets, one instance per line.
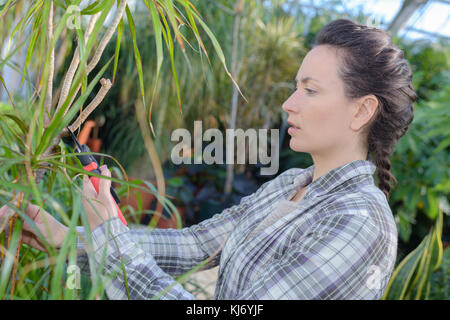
[321, 63]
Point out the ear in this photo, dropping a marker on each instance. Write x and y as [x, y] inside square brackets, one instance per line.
[364, 109]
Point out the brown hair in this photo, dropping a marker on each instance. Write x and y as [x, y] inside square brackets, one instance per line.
[371, 64]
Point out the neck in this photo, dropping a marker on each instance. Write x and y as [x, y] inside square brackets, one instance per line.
[325, 163]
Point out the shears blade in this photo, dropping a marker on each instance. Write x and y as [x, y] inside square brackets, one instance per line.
[74, 139]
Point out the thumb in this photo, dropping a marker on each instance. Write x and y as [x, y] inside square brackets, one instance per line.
[104, 184]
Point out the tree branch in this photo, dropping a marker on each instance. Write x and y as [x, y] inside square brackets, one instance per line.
[109, 32]
[48, 96]
[74, 64]
[106, 85]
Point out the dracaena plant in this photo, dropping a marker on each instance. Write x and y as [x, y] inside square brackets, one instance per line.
[35, 164]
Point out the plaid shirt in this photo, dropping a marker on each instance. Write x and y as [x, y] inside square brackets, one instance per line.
[339, 243]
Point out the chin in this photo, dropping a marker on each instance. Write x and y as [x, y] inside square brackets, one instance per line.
[295, 146]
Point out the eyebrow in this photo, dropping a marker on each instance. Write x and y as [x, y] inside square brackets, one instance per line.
[306, 79]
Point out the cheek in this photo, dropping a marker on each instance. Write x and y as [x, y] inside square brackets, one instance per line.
[326, 121]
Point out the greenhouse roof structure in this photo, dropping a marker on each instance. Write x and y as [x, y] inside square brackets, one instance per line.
[413, 19]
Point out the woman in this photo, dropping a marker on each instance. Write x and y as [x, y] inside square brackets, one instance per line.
[324, 232]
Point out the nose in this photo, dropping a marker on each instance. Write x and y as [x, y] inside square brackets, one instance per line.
[290, 105]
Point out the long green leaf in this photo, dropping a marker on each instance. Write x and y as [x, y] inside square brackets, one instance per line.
[157, 29]
[137, 56]
[117, 50]
[169, 44]
[403, 273]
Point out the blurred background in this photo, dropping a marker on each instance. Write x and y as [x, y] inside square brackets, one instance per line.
[264, 43]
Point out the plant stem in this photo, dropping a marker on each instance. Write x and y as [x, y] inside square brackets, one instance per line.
[74, 64]
[16, 263]
[98, 53]
[12, 223]
[157, 168]
[109, 32]
[106, 85]
[48, 96]
[234, 99]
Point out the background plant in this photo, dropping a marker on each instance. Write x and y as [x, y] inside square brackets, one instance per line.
[32, 128]
[271, 42]
[273, 39]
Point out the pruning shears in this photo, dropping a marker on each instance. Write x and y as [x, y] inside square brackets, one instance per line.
[90, 164]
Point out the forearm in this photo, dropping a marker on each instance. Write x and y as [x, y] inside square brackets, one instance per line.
[176, 251]
[129, 271]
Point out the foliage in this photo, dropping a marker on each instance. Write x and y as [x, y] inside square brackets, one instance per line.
[32, 127]
[420, 160]
[269, 47]
[411, 278]
[175, 73]
[421, 165]
[440, 279]
[429, 62]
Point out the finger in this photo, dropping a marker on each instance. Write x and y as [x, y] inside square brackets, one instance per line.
[105, 184]
[33, 212]
[88, 188]
[30, 227]
[32, 240]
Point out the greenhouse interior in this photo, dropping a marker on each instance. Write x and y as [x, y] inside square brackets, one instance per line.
[253, 150]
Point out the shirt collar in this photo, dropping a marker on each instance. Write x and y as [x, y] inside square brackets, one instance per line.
[334, 177]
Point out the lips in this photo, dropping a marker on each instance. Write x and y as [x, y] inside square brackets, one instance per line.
[293, 129]
[293, 125]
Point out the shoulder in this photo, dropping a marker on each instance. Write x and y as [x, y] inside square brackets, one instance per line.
[380, 211]
[368, 207]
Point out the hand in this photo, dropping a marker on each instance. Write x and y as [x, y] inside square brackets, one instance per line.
[101, 206]
[51, 229]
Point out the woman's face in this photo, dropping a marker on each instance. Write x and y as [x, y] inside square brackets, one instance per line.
[319, 113]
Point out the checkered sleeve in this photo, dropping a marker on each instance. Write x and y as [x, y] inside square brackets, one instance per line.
[128, 272]
[177, 251]
[150, 256]
[331, 261]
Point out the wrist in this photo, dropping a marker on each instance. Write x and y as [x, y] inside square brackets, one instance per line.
[106, 232]
[97, 222]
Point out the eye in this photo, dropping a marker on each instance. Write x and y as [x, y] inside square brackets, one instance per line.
[309, 91]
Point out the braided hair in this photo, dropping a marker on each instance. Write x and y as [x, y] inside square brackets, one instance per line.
[371, 64]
